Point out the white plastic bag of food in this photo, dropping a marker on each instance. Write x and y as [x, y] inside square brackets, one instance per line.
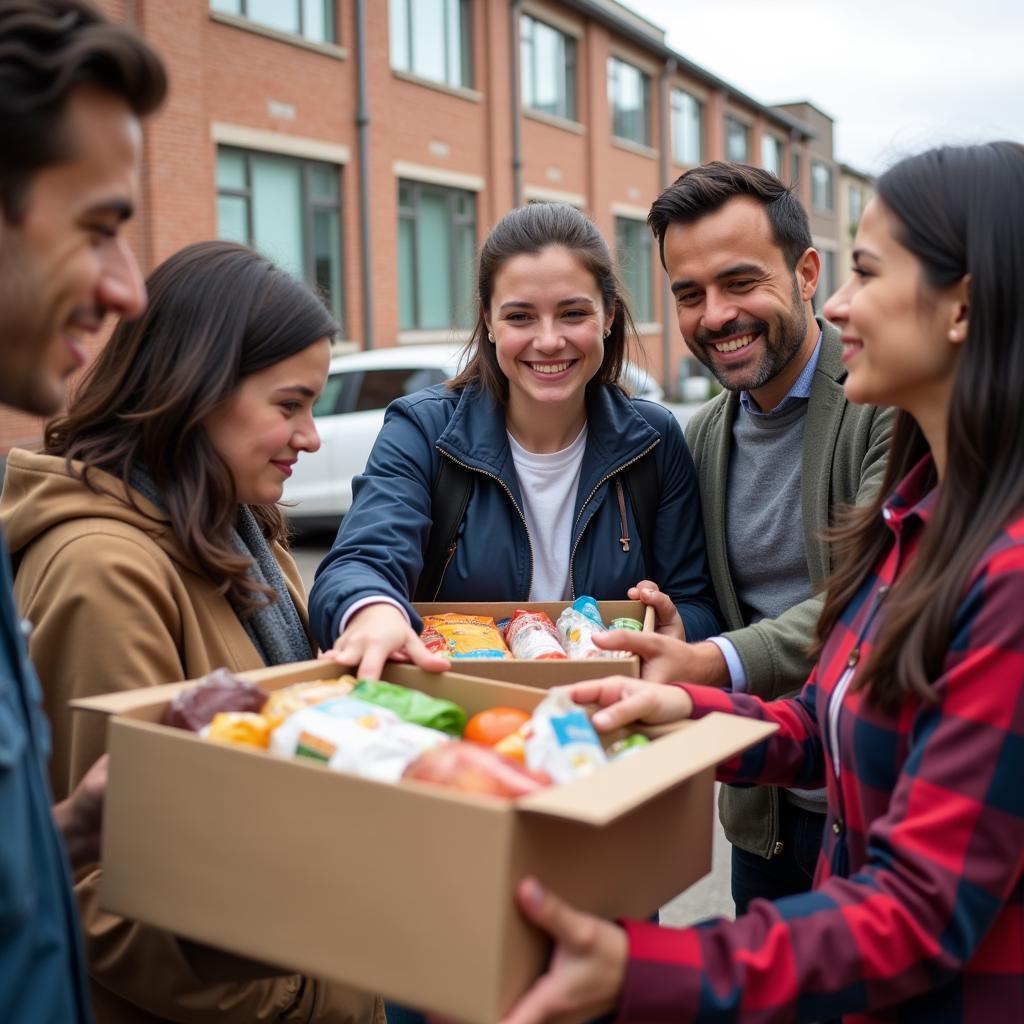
[561, 741]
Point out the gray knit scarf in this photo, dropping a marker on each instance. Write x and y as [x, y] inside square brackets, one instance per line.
[273, 626]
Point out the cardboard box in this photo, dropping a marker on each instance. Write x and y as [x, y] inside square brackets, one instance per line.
[544, 674]
[406, 889]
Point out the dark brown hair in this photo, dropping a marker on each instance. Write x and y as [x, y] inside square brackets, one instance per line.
[217, 313]
[959, 212]
[48, 48]
[708, 188]
[531, 229]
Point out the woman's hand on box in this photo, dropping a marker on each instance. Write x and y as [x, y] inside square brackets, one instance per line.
[587, 968]
[623, 701]
[667, 620]
[377, 633]
[665, 660]
[80, 817]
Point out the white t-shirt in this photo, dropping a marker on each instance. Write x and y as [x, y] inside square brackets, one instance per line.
[549, 484]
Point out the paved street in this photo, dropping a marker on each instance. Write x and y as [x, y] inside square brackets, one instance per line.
[709, 897]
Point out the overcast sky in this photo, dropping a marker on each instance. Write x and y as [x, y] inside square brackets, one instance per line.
[897, 75]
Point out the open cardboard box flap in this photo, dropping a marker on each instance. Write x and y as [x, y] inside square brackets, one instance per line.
[629, 782]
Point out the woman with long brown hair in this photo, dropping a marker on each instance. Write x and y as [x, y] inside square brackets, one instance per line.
[914, 716]
[149, 548]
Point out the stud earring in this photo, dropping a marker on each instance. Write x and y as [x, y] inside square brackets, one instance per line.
[490, 337]
[953, 335]
[607, 332]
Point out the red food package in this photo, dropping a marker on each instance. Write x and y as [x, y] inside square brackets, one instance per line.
[434, 642]
[532, 635]
[475, 769]
[195, 707]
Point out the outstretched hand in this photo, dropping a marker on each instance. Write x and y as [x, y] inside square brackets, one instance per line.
[377, 633]
[623, 701]
[587, 968]
[667, 621]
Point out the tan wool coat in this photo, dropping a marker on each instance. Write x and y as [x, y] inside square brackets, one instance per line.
[115, 603]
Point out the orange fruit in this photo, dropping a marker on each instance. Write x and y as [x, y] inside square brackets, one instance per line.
[493, 725]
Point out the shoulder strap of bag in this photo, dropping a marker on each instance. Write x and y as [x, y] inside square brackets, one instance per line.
[644, 488]
[448, 501]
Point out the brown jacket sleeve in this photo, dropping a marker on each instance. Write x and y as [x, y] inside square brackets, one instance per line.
[106, 615]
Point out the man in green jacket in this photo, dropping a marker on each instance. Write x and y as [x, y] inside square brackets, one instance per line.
[777, 454]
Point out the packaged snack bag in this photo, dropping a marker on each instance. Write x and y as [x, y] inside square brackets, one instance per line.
[289, 699]
[242, 727]
[475, 769]
[434, 642]
[353, 736]
[625, 623]
[627, 746]
[195, 707]
[413, 706]
[562, 742]
[576, 630]
[532, 635]
[468, 636]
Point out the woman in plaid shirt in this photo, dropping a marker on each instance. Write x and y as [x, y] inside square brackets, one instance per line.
[914, 716]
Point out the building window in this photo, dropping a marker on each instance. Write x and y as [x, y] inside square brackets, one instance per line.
[771, 154]
[687, 128]
[548, 68]
[856, 205]
[821, 187]
[288, 209]
[827, 278]
[795, 169]
[629, 91]
[635, 245]
[432, 39]
[312, 19]
[436, 249]
[737, 140]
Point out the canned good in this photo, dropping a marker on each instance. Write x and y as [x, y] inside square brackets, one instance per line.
[625, 623]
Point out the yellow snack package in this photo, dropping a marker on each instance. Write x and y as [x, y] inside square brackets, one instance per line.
[286, 701]
[246, 728]
[468, 636]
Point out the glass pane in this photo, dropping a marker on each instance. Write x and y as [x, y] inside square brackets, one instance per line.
[323, 183]
[330, 398]
[232, 219]
[527, 69]
[686, 128]
[550, 71]
[279, 14]
[465, 256]
[231, 6]
[398, 30]
[628, 88]
[406, 274]
[381, 387]
[318, 20]
[230, 169]
[326, 270]
[771, 154]
[277, 210]
[428, 39]
[434, 260]
[735, 140]
[635, 264]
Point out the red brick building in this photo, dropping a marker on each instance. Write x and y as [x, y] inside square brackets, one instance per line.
[370, 145]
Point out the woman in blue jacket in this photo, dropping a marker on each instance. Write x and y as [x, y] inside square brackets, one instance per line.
[550, 442]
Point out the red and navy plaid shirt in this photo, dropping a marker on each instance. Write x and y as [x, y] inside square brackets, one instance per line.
[917, 910]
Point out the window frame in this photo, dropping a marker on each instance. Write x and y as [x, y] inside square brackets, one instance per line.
[309, 203]
[678, 157]
[570, 81]
[645, 103]
[465, 44]
[646, 266]
[770, 138]
[830, 178]
[330, 20]
[731, 121]
[455, 220]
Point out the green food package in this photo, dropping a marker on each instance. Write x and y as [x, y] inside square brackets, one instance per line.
[621, 748]
[413, 706]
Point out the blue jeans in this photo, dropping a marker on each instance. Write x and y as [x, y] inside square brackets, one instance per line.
[789, 872]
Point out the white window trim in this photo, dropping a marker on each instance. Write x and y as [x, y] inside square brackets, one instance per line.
[459, 91]
[554, 121]
[292, 38]
[438, 176]
[261, 140]
[554, 195]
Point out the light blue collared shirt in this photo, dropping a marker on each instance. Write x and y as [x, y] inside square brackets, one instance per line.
[800, 391]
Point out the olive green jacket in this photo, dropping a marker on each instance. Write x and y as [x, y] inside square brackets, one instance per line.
[843, 463]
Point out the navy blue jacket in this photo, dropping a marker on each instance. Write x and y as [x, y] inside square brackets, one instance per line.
[42, 978]
[380, 546]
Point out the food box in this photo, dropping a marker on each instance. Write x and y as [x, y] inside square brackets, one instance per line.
[405, 890]
[543, 674]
